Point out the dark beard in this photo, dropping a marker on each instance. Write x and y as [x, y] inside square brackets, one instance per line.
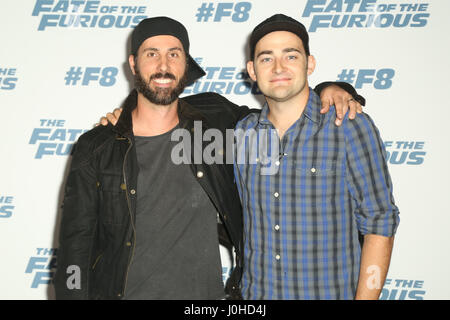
[160, 96]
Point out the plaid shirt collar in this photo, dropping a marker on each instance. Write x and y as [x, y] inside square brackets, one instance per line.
[311, 111]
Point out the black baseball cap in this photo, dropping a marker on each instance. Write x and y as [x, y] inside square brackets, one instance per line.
[158, 26]
[278, 22]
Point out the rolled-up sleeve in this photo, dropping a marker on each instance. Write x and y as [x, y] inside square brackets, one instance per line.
[368, 178]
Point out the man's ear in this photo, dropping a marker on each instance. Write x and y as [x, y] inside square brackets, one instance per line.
[251, 70]
[132, 64]
[311, 65]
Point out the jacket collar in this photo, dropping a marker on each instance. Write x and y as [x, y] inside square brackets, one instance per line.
[187, 114]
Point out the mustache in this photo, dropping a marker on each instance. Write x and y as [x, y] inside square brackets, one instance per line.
[160, 75]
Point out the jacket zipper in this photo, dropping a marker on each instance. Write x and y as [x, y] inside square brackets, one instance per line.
[131, 216]
[96, 261]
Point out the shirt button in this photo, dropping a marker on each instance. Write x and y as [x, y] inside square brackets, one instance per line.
[128, 244]
[132, 191]
[123, 186]
[277, 163]
[277, 257]
[276, 194]
[277, 227]
[199, 174]
[313, 170]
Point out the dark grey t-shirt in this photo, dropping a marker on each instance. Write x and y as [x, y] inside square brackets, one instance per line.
[177, 249]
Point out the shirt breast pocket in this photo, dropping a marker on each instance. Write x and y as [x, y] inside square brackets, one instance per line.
[327, 168]
[318, 182]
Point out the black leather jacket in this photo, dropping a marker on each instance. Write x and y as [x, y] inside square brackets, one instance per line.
[97, 231]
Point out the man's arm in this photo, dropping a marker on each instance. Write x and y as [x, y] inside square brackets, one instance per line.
[340, 94]
[377, 217]
[375, 260]
[343, 96]
[77, 229]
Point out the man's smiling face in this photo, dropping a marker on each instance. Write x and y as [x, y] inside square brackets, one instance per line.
[160, 69]
[280, 66]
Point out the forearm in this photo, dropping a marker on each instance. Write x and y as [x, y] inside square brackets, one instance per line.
[375, 260]
[343, 85]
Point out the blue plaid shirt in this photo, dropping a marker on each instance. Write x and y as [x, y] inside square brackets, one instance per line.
[303, 221]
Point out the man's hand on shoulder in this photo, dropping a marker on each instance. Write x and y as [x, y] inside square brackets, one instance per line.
[111, 117]
[342, 100]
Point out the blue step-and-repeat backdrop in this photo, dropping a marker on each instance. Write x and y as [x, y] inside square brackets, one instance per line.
[64, 64]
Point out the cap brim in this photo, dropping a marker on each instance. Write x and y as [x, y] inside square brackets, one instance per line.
[195, 72]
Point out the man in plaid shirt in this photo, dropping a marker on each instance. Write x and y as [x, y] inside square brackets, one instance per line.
[319, 214]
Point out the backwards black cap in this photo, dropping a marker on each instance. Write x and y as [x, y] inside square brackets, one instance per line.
[278, 22]
[158, 26]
